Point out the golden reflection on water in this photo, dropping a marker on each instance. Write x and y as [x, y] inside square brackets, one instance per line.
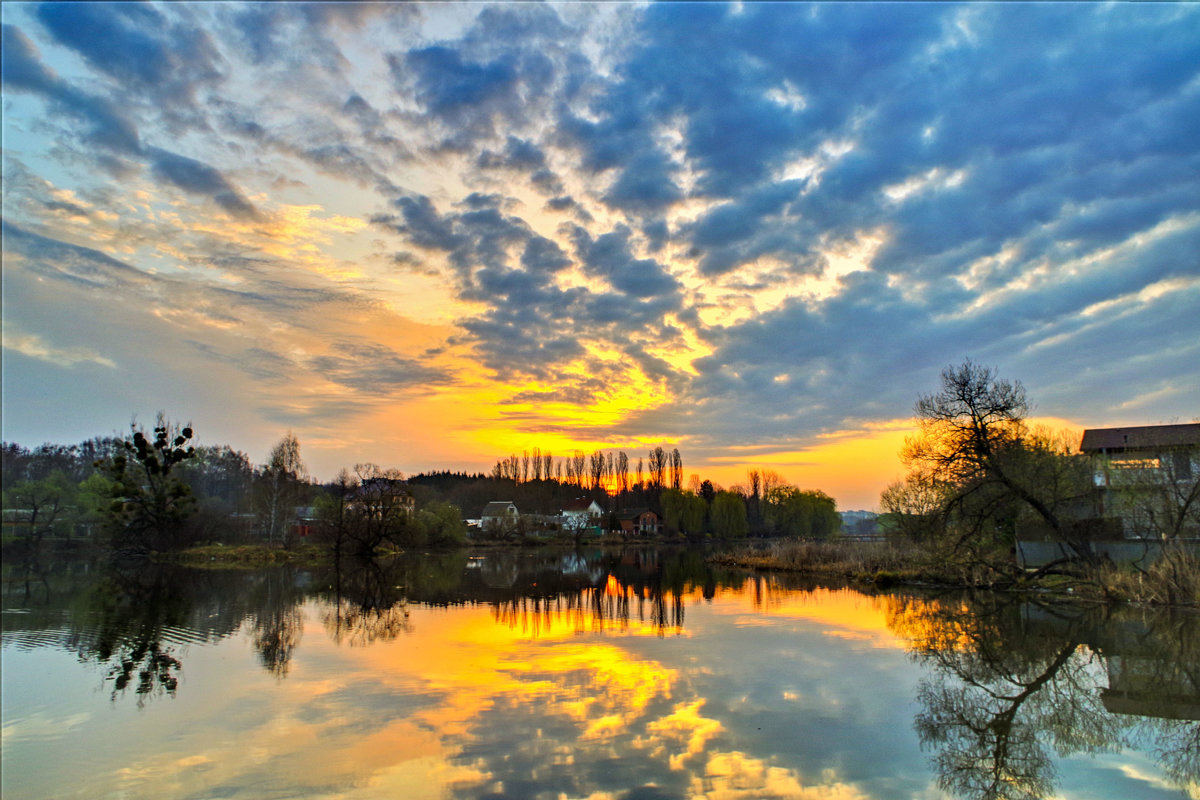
[562, 663]
[709, 689]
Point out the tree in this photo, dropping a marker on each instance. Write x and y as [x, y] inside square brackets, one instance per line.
[658, 459]
[379, 508]
[281, 487]
[578, 468]
[622, 472]
[596, 469]
[442, 525]
[807, 514]
[40, 504]
[912, 508]
[683, 511]
[729, 516]
[149, 503]
[973, 438]
[332, 510]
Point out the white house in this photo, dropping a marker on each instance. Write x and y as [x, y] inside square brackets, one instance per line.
[580, 513]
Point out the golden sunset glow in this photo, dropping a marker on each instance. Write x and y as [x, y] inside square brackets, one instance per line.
[384, 230]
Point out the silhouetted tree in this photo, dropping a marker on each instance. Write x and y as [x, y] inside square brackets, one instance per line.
[149, 503]
[974, 440]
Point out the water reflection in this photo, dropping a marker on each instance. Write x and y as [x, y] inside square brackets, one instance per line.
[367, 601]
[609, 674]
[1013, 686]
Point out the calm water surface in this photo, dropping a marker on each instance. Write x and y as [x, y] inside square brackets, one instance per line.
[589, 674]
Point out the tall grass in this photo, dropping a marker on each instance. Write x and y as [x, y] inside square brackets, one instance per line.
[1173, 579]
[842, 558]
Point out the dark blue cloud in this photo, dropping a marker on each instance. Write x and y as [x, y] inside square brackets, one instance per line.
[459, 92]
[372, 369]
[645, 185]
[610, 256]
[157, 61]
[196, 177]
[116, 38]
[543, 255]
[517, 154]
[23, 70]
[60, 260]
[268, 32]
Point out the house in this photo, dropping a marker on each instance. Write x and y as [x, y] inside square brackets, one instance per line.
[1131, 465]
[580, 513]
[381, 498]
[498, 516]
[304, 523]
[640, 522]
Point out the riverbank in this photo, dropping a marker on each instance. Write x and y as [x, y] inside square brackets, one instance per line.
[256, 555]
[247, 555]
[1173, 580]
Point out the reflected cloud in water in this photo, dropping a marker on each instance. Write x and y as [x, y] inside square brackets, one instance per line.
[615, 674]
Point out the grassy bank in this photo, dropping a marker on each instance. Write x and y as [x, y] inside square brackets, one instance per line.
[258, 555]
[1173, 580]
[249, 555]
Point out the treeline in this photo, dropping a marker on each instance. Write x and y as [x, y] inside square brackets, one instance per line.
[69, 491]
[156, 490]
[538, 484]
[610, 470]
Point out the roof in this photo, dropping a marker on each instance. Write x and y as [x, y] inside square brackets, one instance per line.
[578, 504]
[635, 513]
[497, 508]
[1140, 438]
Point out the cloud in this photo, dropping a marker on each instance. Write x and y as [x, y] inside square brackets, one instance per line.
[24, 71]
[135, 44]
[34, 346]
[196, 177]
[371, 369]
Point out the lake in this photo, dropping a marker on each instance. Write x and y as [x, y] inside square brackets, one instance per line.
[630, 674]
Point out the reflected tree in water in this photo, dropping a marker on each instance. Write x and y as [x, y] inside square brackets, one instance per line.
[135, 620]
[278, 620]
[369, 602]
[1013, 685]
[132, 613]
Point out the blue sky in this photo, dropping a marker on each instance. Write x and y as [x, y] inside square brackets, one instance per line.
[429, 235]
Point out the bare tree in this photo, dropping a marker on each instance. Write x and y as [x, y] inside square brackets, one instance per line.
[676, 470]
[281, 487]
[596, 469]
[973, 437]
[622, 472]
[578, 467]
[658, 459]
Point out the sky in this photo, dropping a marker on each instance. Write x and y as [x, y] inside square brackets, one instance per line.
[431, 235]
